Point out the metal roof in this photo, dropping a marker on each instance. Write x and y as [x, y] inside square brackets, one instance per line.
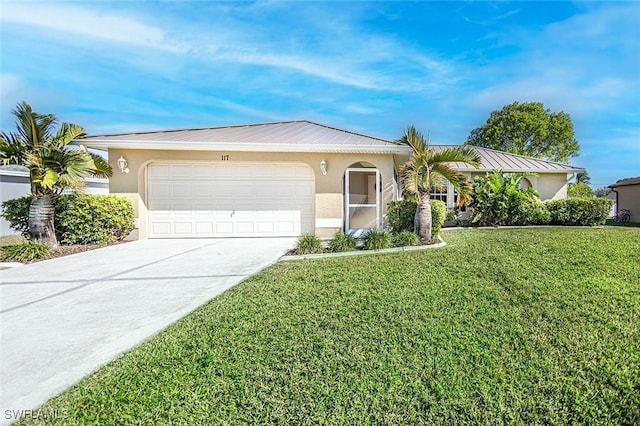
[492, 159]
[298, 136]
[302, 136]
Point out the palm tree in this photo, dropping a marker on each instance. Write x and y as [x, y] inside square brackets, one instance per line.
[583, 177]
[53, 167]
[427, 169]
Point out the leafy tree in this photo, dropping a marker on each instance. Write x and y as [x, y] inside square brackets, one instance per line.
[53, 167]
[579, 190]
[428, 168]
[528, 129]
[602, 192]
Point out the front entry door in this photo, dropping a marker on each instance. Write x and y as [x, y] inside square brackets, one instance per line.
[362, 200]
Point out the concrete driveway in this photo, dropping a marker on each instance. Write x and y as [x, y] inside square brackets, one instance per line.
[61, 319]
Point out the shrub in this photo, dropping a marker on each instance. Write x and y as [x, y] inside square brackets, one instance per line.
[405, 238]
[24, 252]
[579, 211]
[529, 212]
[579, 190]
[93, 219]
[342, 242]
[452, 216]
[79, 218]
[308, 244]
[498, 199]
[400, 215]
[438, 216]
[377, 239]
[16, 212]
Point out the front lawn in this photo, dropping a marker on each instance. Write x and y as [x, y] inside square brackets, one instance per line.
[500, 326]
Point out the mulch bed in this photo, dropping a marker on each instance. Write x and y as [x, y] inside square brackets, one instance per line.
[66, 250]
[432, 241]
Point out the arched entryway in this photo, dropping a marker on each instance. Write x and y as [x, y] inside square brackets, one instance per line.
[363, 197]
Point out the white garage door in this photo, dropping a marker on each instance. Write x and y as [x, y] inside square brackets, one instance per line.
[229, 200]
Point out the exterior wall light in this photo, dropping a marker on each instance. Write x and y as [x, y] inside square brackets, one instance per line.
[323, 167]
[122, 164]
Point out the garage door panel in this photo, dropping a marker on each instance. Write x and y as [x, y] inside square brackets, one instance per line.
[205, 228]
[225, 200]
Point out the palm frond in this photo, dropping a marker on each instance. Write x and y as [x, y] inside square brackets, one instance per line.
[414, 139]
[66, 134]
[101, 166]
[460, 154]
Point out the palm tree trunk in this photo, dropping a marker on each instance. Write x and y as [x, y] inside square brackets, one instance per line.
[41, 226]
[422, 219]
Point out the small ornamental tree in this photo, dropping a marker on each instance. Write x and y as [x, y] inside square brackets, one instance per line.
[427, 168]
[53, 167]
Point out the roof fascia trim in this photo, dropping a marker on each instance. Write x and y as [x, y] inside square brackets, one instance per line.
[243, 146]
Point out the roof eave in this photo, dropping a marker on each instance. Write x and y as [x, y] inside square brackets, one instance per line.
[242, 147]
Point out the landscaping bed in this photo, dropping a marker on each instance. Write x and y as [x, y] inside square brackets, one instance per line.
[54, 252]
[524, 326]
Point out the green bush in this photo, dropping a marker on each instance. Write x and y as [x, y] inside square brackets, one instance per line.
[16, 212]
[452, 215]
[93, 219]
[342, 242]
[377, 239]
[308, 244]
[529, 212]
[579, 190]
[579, 211]
[25, 252]
[438, 216]
[405, 238]
[499, 199]
[79, 218]
[400, 215]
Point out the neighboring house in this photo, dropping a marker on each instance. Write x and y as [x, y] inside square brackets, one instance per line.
[276, 179]
[14, 183]
[628, 196]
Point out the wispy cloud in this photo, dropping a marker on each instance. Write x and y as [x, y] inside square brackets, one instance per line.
[493, 19]
[88, 22]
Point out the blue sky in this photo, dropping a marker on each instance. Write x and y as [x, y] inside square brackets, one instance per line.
[372, 67]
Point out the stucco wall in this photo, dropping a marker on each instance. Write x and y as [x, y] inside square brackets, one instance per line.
[329, 200]
[629, 198]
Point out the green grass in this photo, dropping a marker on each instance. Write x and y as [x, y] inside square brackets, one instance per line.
[524, 326]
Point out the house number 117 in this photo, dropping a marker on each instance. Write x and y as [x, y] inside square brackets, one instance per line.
[225, 157]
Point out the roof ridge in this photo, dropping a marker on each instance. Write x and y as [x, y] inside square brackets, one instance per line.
[146, 132]
[348, 131]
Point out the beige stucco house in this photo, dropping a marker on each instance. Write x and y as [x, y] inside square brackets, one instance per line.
[276, 179]
[628, 196]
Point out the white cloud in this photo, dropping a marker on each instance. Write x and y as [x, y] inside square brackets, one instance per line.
[83, 21]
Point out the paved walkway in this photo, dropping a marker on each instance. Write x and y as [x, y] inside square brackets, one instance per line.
[61, 319]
